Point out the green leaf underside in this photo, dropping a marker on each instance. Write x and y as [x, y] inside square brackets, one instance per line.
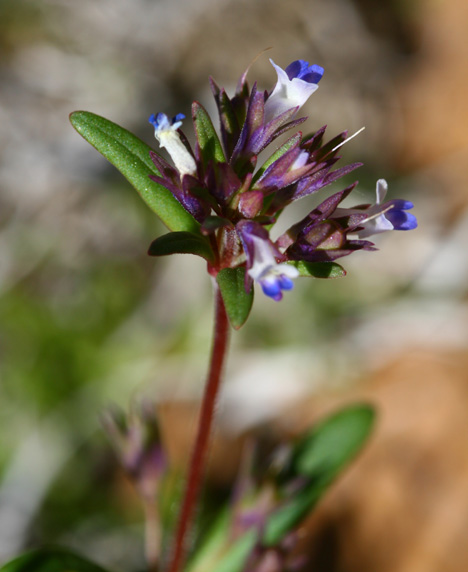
[320, 456]
[181, 243]
[208, 140]
[131, 157]
[50, 560]
[237, 301]
[319, 269]
[276, 155]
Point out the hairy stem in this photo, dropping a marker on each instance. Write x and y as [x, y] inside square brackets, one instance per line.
[200, 449]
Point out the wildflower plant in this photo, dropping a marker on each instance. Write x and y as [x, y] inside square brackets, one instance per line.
[220, 203]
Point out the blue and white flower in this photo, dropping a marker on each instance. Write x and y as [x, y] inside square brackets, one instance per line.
[261, 255]
[391, 215]
[165, 131]
[294, 87]
[272, 277]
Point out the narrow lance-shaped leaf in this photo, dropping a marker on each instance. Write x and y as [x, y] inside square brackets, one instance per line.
[131, 157]
[219, 552]
[181, 243]
[237, 301]
[319, 457]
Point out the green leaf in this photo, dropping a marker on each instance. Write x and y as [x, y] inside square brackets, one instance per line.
[208, 141]
[319, 456]
[238, 303]
[50, 560]
[276, 155]
[319, 269]
[237, 555]
[328, 448]
[131, 157]
[213, 546]
[219, 553]
[181, 243]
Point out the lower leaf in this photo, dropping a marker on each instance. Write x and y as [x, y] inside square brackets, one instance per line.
[50, 560]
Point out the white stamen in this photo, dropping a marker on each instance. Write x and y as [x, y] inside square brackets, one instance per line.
[376, 215]
[347, 139]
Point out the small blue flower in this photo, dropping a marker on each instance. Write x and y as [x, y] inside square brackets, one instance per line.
[272, 277]
[261, 262]
[165, 131]
[294, 87]
[391, 215]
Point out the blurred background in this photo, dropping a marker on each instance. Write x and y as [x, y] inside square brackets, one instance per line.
[88, 320]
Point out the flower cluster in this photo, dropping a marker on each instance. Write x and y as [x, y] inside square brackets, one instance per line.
[236, 202]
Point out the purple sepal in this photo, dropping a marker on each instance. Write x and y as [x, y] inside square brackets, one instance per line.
[319, 178]
[256, 135]
[314, 142]
[326, 208]
[302, 252]
[283, 171]
[250, 203]
[228, 118]
[221, 181]
[166, 170]
[323, 152]
[190, 203]
[265, 134]
[253, 122]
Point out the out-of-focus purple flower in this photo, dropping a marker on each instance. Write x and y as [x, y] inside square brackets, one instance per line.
[294, 87]
[391, 215]
[136, 440]
[165, 131]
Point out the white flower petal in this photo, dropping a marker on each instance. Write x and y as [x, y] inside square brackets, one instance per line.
[381, 190]
[287, 94]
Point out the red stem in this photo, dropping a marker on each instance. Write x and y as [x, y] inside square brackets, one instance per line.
[200, 449]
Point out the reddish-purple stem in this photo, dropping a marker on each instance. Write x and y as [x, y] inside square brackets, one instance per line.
[200, 449]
